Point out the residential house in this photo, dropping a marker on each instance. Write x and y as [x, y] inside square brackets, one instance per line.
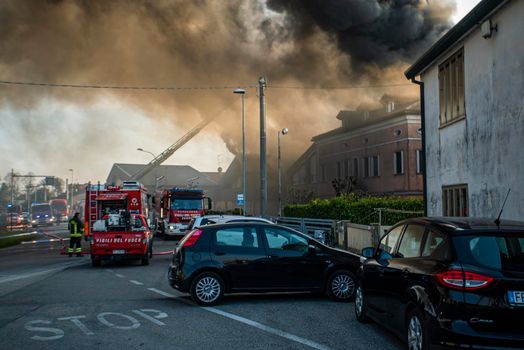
[473, 96]
[377, 145]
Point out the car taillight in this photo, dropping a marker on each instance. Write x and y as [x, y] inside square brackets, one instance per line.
[191, 240]
[463, 280]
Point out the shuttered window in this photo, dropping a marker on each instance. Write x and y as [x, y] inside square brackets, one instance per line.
[451, 89]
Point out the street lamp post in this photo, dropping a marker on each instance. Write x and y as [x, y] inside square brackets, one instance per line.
[71, 202]
[146, 151]
[284, 131]
[243, 93]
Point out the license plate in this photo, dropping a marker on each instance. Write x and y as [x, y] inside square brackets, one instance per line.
[516, 297]
[120, 251]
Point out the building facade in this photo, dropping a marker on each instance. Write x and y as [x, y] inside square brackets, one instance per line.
[376, 150]
[473, 91]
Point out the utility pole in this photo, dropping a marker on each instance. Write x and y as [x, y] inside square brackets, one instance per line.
[12, 185]
[263, 169]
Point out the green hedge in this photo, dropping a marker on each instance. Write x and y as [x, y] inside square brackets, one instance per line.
[358, 210]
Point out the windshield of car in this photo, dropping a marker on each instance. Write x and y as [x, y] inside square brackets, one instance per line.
[186, 204]
[41, 208]
[501, 252]
[59, 206]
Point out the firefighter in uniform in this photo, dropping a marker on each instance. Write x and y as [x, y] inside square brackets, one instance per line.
[76, 228]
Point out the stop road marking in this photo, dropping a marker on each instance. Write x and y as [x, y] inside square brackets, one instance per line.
[110, 319]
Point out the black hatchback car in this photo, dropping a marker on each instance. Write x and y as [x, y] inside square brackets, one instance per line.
[257, 257]
[455, 282]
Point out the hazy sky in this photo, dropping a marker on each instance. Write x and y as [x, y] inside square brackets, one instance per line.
[49, 130]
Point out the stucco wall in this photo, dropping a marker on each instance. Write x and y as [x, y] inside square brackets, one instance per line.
[485, 150]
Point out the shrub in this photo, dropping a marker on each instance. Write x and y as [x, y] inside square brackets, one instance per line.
[358, 210]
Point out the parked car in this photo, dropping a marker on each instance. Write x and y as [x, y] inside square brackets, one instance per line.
[222, 219]
[447, 282]
[258, 257]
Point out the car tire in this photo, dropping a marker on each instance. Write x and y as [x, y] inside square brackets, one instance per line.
[96, 261]
[207, 289]
[341, 286]
[361, 312]
[416, 332]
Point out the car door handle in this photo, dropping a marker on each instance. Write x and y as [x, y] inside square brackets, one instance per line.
[220, 253]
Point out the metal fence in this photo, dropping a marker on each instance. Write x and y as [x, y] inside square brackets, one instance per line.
[342, 234]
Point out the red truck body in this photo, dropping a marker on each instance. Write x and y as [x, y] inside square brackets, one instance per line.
[115, 222]
[176, 207]
[59, 207]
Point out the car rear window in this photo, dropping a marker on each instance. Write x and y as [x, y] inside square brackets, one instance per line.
[501, 252]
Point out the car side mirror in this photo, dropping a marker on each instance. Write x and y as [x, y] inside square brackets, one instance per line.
[368, 252]
[311, 249]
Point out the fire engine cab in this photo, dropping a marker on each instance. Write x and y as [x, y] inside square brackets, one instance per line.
[174, 209]
[116, 222]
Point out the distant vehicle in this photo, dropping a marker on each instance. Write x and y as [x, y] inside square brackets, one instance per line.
[13, 215]
[59, 207]
[175, 208]
[258, 257]
[42, 214]
[26, 218]
[115, 221]
[455, 282]
[222, 219]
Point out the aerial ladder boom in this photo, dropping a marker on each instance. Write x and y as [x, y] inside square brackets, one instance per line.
[162, 157]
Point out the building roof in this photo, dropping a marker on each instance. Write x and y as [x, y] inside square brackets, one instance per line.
[362, 117]
[174, 175]
[470, 21]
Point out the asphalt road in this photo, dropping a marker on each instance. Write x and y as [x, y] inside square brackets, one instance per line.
[50, 301]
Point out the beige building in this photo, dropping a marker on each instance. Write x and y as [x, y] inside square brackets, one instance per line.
[378, 147]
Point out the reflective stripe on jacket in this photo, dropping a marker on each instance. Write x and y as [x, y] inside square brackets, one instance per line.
[75, 228]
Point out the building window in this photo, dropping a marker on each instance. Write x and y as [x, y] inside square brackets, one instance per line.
[398, 163]
[419, 161]
[451, 89]
[347, 165]
[371, 166]
[455, 200]
[323, 173]
[355, 168]
[339, 169]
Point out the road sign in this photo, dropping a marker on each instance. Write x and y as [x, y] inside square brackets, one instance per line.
[49, 180]
[240, 199]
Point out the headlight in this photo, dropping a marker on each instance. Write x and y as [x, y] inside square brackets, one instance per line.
[171, 227]
[52, 219]
[33, 221]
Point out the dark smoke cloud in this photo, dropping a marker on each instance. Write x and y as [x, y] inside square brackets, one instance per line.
[371, 32]
[206, 43]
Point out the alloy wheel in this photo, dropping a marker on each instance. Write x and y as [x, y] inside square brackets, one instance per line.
[343, 286]
[207, 289]
[415, 339]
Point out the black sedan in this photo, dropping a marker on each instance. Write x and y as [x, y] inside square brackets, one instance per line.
[455, 282]
[257, 257]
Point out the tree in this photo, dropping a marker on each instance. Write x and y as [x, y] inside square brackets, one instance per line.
[346, 185]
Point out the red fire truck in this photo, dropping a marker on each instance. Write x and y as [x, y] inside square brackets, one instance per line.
[175, 208]
[115, 222]
[59, 207]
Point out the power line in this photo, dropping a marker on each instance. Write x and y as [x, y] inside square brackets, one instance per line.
[123, 87]
[168, 88]
[349, 87]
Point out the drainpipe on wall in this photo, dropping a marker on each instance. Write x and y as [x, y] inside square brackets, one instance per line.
[423, 155]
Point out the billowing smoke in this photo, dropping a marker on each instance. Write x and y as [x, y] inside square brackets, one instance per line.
[198, 43]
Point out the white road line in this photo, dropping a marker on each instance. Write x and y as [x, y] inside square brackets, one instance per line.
[119, 275]
[158, 291]
[252, 323]
[136, 282]
[38, 273]
[268, 329]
